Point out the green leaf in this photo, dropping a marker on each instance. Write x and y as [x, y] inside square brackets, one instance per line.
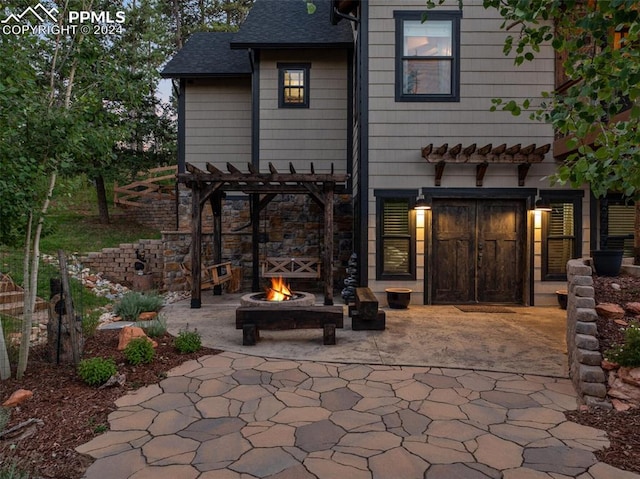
[311, 7]
[602, 153]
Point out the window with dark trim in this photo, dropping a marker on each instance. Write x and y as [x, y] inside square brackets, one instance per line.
[293, 85]
[427, 56]
[395, 239]
[561, 233]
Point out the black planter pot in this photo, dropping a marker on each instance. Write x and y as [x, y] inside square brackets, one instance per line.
[607, 262]
[398, 298]
[563, 297]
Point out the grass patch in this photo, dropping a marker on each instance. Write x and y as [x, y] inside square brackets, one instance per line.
[74, 232]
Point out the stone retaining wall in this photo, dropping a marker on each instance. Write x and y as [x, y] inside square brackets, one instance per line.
[157, 214]
[583, 347]
[117, 264]
[177, 250]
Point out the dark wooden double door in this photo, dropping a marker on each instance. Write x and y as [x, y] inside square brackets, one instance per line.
[478, 251]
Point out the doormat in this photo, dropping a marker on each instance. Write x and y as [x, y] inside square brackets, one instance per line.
[483, 308]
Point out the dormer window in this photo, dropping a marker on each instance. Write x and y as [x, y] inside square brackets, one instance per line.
[293, 81]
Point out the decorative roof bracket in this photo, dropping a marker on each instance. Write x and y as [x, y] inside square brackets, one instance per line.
[482, 157]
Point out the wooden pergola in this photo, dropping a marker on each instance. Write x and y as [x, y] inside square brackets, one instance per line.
[211, 185]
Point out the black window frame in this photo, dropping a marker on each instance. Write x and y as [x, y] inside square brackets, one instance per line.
[412, 15]
[395, 195]
[563, 196]
[282, 69]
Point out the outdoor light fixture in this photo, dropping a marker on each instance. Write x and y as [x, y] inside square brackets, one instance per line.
[422, 203]
[542, 205]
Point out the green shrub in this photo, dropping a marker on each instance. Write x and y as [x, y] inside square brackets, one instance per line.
[157, 327]
[627, 354]
[188, 341]
[90, 323]
[96, 371]
[151, 301]
[139, 350]
[134, 303]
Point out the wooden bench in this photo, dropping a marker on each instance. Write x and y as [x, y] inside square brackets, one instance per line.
[291, 267]
[365, 315]
[211, 276]
[252, 319]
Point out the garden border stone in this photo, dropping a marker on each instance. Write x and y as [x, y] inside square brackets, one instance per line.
[589, 379]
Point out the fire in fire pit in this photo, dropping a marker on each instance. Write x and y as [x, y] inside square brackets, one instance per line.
[278, 295]
[279, 290]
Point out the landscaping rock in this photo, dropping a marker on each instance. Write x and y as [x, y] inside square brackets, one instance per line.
[147, 316]
[610, 311]
[18, 397]
[608, 365]
[130, 332]
[633, 308]
[619, 405]
[630, 376]
[619, 389]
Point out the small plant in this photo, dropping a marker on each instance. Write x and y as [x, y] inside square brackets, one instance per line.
[97, 428]
[188, 341]
[5, 415]
[157, 327]
[11, 471]
[139, 351]
[134, 303]
[627, 354]
[90, 323]
[96, 371]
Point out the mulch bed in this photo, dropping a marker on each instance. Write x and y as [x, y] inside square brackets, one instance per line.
[72, 412]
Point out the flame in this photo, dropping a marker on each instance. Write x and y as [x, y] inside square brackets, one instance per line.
[279, 290]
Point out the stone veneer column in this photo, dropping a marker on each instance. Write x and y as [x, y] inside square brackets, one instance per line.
[582, 336]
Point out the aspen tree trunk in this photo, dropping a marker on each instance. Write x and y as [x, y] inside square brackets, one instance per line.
[31, 278]
[636, 235]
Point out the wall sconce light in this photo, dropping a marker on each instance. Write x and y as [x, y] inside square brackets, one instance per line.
[422, 203]
[543, 205]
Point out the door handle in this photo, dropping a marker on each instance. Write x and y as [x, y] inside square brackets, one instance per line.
[479, 255]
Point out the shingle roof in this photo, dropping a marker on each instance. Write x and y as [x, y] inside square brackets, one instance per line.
[208, 54]
[286, 23]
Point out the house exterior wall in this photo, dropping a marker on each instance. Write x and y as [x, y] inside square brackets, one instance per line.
[316, 134]
[218, 121]
[398, 130]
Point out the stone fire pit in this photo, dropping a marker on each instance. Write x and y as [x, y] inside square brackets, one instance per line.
[259, 300]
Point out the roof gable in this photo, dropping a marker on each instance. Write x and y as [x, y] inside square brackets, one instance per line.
[207, 54]
[287, 24]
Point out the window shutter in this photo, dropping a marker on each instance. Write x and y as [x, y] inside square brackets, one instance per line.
[560, 237]
[621, 219]
[396, 217]
[396, 237]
